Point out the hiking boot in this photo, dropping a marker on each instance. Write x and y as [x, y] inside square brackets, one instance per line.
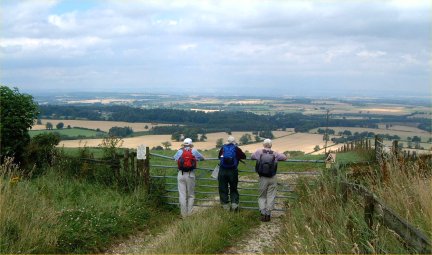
[267, 218]
[263, 217]
[234, 207]
[226, 207]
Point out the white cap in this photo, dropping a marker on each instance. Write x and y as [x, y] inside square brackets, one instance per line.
[187, 142]
[267, 143]
[231, 139]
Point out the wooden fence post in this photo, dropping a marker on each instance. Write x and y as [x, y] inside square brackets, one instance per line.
[126, 160]
[369, 209]
[378, 148]
[146, 169]
[395, 148]
[132, 163]
[115, 168]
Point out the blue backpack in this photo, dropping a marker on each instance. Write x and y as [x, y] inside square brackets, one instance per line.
[228, 158]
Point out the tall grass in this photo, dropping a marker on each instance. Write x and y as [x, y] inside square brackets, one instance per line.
[27, 221]
[321, 223]
[209, 231]
[53, 214]
[408, 191]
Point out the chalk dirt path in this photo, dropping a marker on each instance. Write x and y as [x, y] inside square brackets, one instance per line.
[259, 240]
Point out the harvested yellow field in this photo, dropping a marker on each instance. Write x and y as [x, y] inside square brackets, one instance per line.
[157, 140]
[385, 110]
[296, 142]
[102, 125]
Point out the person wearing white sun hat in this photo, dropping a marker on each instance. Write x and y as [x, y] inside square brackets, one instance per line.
[266, 167]
[186, 158]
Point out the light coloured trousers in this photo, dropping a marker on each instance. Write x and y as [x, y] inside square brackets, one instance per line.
[186, 188]
[267, 194]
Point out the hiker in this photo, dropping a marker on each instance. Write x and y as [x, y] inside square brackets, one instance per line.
[266, 167]
[229, 156]
[186, 158]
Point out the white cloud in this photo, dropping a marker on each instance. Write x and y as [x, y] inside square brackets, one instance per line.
[66, 21]
[371, 54]
[188, 46]
[249, 41]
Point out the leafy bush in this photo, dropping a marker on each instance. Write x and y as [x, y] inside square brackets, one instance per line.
[17, 115]
[41, 152]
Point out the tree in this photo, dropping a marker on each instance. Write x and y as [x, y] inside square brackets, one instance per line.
[39, 121]
[49, 126]
[176, 136]
[257, 138]
[347, 133]
[69, 127]
[246, 138]
[416, 140]
[41, 151]
[166, 145]
[146, 127]
[60, 125]
[266, 134]
[191, 133]
[17, 115]
[109, 146]
[219, 143]
[120, 131]
[203, 137]
[325, 137]
[316, 148]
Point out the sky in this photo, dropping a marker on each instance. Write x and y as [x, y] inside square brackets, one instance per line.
[241, 47]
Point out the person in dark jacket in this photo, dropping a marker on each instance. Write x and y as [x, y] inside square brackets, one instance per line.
[230, 155]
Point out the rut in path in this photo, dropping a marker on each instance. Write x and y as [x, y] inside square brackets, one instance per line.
[259, 240]
[262, 239]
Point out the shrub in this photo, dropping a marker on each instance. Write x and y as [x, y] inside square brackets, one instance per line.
[41, 151]
[17, 115]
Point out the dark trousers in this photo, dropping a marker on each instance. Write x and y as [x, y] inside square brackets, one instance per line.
[228, 177]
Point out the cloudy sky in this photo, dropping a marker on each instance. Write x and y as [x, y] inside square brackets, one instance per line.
[250, 47]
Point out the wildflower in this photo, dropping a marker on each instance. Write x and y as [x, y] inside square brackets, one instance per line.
[14, 180]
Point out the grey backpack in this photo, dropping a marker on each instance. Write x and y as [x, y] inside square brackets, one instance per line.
[266, 165]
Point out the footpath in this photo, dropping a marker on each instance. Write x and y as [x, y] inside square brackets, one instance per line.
[259, 240]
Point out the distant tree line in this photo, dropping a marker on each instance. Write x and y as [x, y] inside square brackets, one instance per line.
[223, 121]
[120, 131]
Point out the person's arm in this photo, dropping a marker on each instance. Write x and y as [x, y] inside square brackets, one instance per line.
[256, 154]
[178, 155]
[240, 154]
[220, 152]
[281, 157]
[197, 155]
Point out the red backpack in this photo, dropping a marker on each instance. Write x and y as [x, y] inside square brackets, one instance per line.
[187, 161]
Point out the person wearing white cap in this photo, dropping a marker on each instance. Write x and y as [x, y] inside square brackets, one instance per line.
[229, 156]
[266, 167]
[186, 158]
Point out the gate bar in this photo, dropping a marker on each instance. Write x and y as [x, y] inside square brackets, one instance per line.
[288, 160]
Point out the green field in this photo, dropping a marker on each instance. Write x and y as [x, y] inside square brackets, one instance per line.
[71, 132]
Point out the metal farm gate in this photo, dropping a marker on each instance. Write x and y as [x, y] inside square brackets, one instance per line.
[164, 170]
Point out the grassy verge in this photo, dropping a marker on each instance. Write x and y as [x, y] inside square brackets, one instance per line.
[53, 214]
[70, 132]
[209, 231]
[320, 223]
[408, 191]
